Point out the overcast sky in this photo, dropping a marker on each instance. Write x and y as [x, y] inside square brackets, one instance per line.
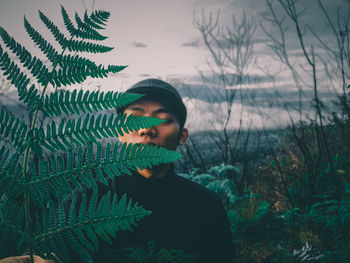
[156, 38]
[149, 35]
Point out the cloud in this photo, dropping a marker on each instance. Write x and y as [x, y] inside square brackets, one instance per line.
[196, 42]
[231, 79]
[224, 43]
[261, 92]
[213, 116]
[211, 2]
[138, 45]
[145, 75]
[211, 91]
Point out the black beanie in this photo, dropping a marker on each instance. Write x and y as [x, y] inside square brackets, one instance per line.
[167, 94]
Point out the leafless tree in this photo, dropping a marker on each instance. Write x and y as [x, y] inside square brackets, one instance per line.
[231, 49]
[322, 62]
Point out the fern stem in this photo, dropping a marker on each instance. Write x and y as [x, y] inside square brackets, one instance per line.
[28, 227]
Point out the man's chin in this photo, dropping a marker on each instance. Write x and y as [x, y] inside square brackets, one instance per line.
[147, 172]
[154, 172]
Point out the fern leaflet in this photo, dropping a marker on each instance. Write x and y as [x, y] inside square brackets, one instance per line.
[87, 130]
[86, 31]
[77, 74]
[75, 61]
[32, 63]
[20, 80]
[10, 175]
[58, 176]
[81, 226]
[14, 129]
[11, 230]
[72, 45]
[44, 46]
[82, 46]
[74, 102]
[59, 37]
[97, 19]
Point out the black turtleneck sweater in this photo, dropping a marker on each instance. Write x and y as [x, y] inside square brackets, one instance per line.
[188, 223]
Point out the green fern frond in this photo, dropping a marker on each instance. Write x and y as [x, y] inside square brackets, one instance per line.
[78, 74]
[75, 69]
[146, 156]
[20, 81]
[68, 22]
[32, 63]
[31, 182]
[60, 175]
[10, 210]
[13, 72]
[224, 188]
[97, 19]
[222, 169]
[11, 227]
[59, 37]
[86, 31]
[84, 101]
[101, 71]
[10, 175]
[82, 46]
[41, 43]
[83, 31]
[69, 76]
[90, 129]
[88, 24]
[56, 177]
[49, 190]
[84, 223]
[32, 98]
[14, 129]
[75, 61]
[72, 45]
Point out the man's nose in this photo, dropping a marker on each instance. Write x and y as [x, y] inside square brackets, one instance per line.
[151, 132]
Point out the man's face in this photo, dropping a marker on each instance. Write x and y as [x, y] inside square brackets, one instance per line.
[166, 134]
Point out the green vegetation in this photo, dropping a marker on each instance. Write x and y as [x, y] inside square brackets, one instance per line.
[292, 203]
[289, 214]
[60, 148]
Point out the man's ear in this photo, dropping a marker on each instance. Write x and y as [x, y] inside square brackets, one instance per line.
[183, 136]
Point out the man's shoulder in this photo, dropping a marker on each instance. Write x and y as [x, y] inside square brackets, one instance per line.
[196, 190]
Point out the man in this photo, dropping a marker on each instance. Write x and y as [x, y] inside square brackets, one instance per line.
[188, 222]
